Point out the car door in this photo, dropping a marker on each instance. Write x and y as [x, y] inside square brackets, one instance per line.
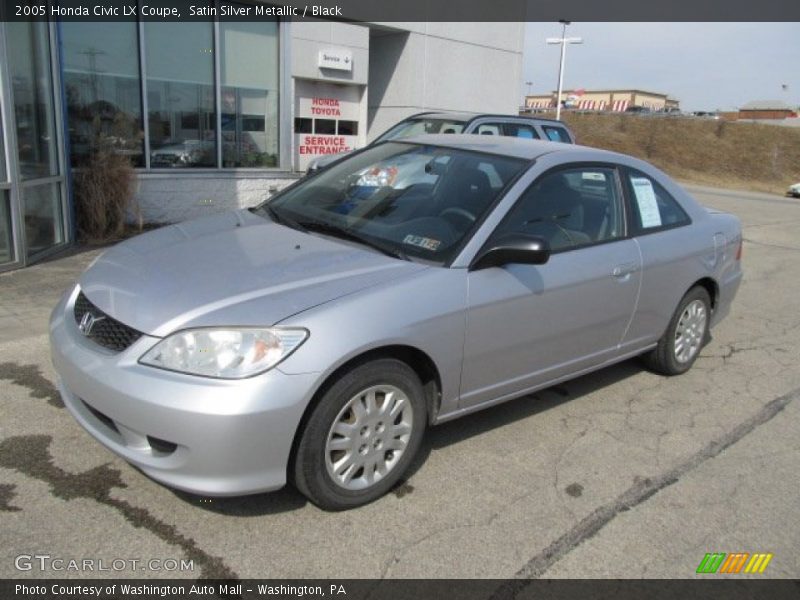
[531, 324]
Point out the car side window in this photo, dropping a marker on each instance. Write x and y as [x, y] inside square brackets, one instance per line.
[556, 134]
[520, 130]
[652, 207]
[569, 208]
[488, 129]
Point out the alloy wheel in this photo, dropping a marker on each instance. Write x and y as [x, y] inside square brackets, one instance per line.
[368, 437]
[690, 330]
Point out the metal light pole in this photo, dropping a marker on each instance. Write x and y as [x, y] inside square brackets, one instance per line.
[525, 102]
[563, 40]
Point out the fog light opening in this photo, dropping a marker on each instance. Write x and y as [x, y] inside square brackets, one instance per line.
[160, 446]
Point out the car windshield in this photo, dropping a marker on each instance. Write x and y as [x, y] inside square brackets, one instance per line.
[421, 126]
[408, 200]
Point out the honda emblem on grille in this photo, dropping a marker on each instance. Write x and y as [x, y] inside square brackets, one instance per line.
[87, 323]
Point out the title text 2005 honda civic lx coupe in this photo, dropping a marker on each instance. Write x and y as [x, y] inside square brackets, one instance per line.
[315, 337]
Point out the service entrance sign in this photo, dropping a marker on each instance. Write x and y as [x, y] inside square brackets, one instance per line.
[326, 120]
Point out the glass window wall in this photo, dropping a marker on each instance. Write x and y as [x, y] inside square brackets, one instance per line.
[42, 216]
[6, 238]
[101, 81]
[28, 49]
[105, 84]
[35, 182]
[180, 94]
[249, 78]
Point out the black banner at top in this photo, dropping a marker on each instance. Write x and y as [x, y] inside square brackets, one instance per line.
[402, 10]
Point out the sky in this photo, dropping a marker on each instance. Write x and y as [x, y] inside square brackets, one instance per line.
[707, 66]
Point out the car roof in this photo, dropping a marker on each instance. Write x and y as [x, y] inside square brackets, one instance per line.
[465, 117]
[504, 145]
[450, 116]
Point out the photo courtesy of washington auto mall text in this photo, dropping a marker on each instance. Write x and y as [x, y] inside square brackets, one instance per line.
[166, 589]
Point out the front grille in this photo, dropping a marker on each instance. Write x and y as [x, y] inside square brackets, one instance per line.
[107, 332]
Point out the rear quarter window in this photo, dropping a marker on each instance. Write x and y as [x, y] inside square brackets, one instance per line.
[556, 134]
[652, 207]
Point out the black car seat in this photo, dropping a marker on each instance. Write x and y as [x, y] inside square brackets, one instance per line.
[554, 211]
[465, 197]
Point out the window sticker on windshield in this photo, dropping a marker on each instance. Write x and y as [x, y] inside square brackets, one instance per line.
[646, 200]
[422, 242]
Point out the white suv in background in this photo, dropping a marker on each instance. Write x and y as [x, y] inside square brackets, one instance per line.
[456, 122]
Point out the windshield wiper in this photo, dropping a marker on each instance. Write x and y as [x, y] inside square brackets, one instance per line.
[346, 234]
[282, 219]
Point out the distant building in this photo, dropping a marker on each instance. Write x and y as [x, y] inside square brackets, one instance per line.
[603, 100]
[767, 109]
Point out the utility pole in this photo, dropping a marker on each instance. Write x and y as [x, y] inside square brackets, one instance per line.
[525, 102]
[563, 40]
[92, 54]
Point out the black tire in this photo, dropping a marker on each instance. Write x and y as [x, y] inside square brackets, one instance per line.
[311, 469]
[663, 358]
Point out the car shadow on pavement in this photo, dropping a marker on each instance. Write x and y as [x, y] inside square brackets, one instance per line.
[284, 500]
[483, 421]
[289, 499]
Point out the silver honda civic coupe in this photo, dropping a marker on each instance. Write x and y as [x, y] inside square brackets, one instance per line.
[314, 338]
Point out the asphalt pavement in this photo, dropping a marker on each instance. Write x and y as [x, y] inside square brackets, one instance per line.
[621, 473]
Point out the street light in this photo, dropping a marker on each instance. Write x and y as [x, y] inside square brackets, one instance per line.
[563, 40]
[525, 102]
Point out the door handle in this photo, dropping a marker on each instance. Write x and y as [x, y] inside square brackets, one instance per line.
[622, 271]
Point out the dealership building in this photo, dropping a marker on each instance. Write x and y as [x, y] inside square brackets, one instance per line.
[218, 114]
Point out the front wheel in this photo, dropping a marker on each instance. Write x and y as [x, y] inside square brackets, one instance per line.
[678, 348]
[361, 436]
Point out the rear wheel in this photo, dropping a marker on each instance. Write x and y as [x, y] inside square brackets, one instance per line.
[680, 345]
[361, 436]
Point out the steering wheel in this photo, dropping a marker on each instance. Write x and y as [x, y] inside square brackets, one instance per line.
[461, 213]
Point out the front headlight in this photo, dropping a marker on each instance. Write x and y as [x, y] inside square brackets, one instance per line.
[230, 353]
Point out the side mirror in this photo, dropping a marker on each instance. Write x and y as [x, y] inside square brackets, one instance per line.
[513, 248]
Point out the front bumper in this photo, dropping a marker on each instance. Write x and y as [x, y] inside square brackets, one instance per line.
[201, 435]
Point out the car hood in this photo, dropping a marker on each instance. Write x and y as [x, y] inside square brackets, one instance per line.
[230, 269]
